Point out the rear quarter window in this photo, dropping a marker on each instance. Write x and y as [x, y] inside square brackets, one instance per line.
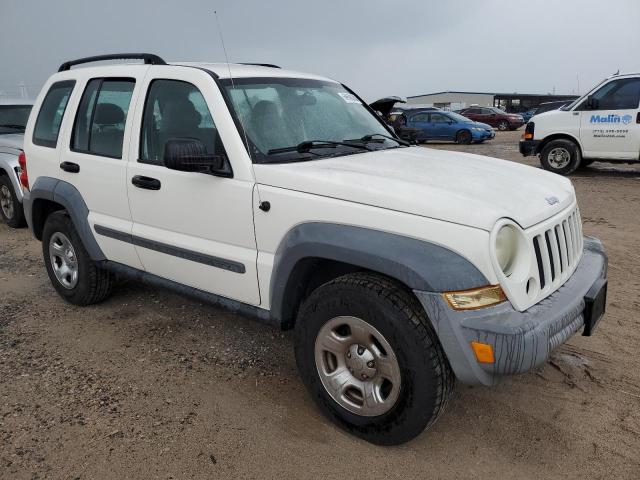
[51, 114]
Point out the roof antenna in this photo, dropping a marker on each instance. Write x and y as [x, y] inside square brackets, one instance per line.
[233, 86]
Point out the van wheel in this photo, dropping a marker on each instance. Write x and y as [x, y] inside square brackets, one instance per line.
[371, 360]
[560, 156]
[73, 274]
[503, 125]
[10, 208]
[463, 137]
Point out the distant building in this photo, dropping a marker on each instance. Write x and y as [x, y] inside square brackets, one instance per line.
[510, 102]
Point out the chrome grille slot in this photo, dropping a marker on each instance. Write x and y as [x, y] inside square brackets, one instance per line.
[558, 249]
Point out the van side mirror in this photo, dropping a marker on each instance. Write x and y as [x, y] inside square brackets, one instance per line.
[592, 103]
[190, 155]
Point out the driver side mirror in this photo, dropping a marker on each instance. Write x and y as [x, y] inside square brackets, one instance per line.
[592, 103]
[190, 155]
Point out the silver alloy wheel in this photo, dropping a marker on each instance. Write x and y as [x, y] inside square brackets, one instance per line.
[6, 202]
[503, 126]
[357, 366]
[559, 157]
[63, 260]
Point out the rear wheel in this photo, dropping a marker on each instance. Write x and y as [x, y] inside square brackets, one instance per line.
[560, 156]
[10, 208]
[463, 137]
[73, 274]
[503, 125]
[370, 359]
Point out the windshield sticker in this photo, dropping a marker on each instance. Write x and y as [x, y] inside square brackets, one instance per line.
[348, 97]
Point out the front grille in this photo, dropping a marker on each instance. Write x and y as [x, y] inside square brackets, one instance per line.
[558, 250]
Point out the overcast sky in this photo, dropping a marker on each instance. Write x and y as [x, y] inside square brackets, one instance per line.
[378, 48]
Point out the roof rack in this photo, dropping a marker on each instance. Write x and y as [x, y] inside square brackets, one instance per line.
[149, 59]
[270, 65]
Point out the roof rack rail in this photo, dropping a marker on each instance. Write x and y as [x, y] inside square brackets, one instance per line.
[270, 65]
[149, 59]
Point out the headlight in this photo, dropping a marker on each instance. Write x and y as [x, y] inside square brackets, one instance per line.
[506, 247]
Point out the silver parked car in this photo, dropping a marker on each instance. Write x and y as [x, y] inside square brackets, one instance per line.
[13, 119]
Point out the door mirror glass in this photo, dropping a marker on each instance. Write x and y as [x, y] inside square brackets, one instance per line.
[190, 155]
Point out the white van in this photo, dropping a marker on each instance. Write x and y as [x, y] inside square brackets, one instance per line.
[603, 125]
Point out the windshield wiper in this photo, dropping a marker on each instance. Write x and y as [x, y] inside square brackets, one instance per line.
[372, 139]
[307, 145]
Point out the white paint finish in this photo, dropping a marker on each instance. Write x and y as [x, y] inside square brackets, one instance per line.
[290, 208]
[198, 212]
[451, 186]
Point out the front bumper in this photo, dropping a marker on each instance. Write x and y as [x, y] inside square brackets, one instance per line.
[483, 134]
[520, 340]
[529, 147]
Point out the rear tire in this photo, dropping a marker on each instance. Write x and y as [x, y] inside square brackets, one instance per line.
[463, 137]
[560, 156]
[11, 209]
[73, 274]
[367, 306]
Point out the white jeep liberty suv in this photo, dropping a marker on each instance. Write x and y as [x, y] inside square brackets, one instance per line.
[283, 196]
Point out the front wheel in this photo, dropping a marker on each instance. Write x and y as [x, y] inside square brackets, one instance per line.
[370, 359]
[463, 137]
[73, 274]
[503, 126]
[10, 208]
[560, 156]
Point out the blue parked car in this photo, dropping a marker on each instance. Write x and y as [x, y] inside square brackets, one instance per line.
[526, 116]
[440, 125]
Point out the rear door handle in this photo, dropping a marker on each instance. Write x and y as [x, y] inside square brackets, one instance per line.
[147, 183]
[70, 167]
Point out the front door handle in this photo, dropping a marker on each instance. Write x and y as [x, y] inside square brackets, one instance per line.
[147, 183]
[70, 167]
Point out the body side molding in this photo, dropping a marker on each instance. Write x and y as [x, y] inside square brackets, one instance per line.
[184, 253]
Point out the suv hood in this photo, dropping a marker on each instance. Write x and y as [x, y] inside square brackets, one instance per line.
[12, 140]
[455, 187]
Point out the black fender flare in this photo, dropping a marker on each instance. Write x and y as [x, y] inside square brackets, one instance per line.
[419, 264]
[65, 194]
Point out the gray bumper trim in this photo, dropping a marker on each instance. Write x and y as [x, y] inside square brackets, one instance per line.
[521, 340]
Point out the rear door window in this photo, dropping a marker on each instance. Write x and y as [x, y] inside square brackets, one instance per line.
[51, 113]
[101, 117]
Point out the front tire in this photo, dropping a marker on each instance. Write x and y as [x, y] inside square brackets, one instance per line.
[560, 156]
[503, 125]
[371, 360]
[73, 274]
[463, 137]
[10, 208]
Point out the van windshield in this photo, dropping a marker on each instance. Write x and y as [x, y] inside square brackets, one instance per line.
[278, 114]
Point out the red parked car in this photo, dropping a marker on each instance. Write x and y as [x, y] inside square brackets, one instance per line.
[494, 117]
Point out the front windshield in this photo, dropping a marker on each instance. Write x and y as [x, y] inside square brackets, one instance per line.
[13, 118]
[281, 113]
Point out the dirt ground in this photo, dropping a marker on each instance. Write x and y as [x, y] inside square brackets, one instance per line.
[152, 385]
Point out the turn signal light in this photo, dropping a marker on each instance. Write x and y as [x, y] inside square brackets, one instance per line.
[527, 136]
[475, 297]
[483, 351]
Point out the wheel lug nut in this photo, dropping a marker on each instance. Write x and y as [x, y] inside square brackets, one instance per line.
[370, 364]
[360, 350]
[364, 376]
[348, 354]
